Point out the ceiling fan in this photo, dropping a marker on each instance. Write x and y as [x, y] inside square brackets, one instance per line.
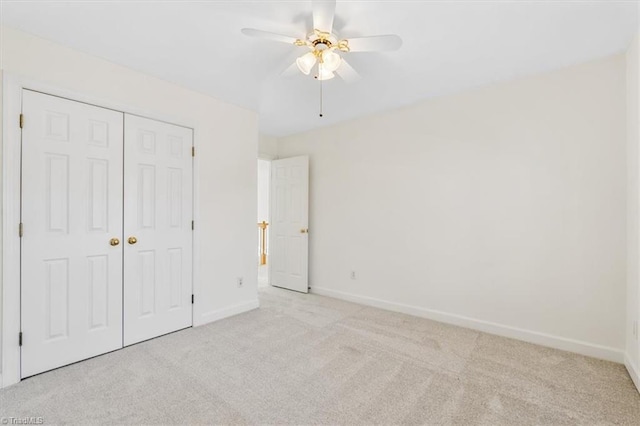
[325, 48]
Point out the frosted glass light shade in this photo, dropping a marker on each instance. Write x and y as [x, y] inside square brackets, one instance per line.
[306, 62]
[331, 60]
[325, 74]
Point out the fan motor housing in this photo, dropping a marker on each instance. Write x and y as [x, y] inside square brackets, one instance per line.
[322, 44]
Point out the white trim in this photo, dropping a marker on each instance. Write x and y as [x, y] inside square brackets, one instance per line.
[12, 105]
[562, 343]
[48, 89]
[633, 371]
[230, 311]
[195, 238]
[12, 86]
[267, 156]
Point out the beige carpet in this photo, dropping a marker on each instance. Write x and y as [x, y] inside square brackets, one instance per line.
[305, 359]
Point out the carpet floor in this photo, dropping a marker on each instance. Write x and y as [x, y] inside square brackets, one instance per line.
[307, 359]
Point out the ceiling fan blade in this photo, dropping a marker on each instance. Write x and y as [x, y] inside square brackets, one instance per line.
[375, 43]
[323, 13]
[268, 36]
[291, 71]
[347, 73]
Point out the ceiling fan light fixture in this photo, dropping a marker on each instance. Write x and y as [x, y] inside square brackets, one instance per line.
[331, 60]
[306, 62]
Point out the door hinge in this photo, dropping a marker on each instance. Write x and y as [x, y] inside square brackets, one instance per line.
[193, 225]
[20, 339]
[193, 151]
[20, 230]
[21, 121]
[192, 299]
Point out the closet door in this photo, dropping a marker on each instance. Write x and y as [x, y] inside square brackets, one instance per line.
[71, 285]
[157, 222]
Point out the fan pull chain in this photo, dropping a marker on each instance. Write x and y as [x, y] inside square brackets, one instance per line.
[319, 74]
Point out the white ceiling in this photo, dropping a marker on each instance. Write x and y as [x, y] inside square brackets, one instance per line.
[448, 46]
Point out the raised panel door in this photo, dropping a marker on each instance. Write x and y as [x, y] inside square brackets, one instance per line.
[71, 287]
[289, 236]
[158, 215]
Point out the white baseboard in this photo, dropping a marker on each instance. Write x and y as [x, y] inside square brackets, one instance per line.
[633, 371]
[227, 312]
[562, 343]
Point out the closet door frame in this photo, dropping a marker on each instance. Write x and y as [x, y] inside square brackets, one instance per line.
[12, 88]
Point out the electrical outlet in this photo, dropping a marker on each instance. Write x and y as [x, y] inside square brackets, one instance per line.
[239, 281]
[353, 275]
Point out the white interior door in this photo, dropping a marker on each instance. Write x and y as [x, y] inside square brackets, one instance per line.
[71, 286]
[289, 234]
[158, 197]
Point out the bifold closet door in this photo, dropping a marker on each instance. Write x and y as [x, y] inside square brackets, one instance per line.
[71, 286]
[157, 228]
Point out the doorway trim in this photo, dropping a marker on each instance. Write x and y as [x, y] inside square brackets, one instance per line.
[12, 86]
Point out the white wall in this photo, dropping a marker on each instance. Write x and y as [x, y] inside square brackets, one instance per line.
[501, 208]
[267, 147]
[226, 139]
[633, 212]
[264, 186]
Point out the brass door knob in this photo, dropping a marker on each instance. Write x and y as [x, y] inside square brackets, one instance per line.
[132, 240]
[304, 231]
[114, 241]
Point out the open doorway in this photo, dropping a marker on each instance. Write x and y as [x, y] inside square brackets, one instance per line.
[264, 184]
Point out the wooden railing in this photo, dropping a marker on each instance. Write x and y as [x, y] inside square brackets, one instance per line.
[263, 242]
